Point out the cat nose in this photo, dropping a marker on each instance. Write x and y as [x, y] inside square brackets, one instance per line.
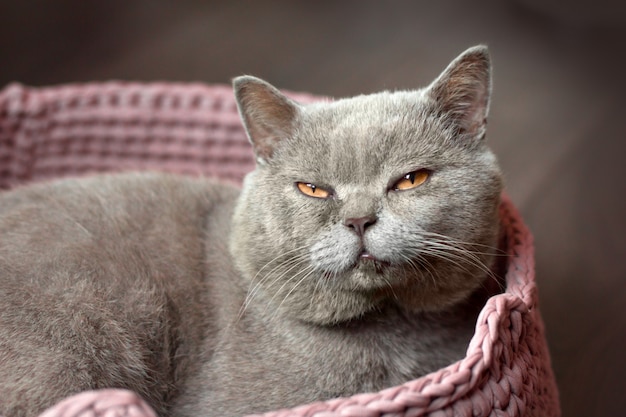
[359, 224]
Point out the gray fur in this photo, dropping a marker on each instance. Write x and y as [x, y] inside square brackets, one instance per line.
[207, 302]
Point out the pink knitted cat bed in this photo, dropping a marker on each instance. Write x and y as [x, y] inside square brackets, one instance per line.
[195, 129]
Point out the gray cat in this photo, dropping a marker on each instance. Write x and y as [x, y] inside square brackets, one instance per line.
[356, 257]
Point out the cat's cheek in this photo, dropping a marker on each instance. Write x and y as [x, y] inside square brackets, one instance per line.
[335, 252]
[388, 241]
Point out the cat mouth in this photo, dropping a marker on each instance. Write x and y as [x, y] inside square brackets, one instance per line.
[366, 259]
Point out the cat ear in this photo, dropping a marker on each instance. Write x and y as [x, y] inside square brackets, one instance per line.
[463, 90]
[268, 116]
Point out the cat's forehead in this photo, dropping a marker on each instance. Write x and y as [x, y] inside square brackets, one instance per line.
[383, 110]
[372, 123]
[363, 138]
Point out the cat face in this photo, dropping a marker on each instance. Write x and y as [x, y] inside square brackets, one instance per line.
[389, 197]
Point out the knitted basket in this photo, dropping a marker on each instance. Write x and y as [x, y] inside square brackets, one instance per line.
[195, 129]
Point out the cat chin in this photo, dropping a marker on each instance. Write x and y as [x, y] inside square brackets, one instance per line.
[364, 289]
[379, 279]
[368, 275]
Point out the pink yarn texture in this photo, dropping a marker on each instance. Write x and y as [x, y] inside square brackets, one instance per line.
[195, 129]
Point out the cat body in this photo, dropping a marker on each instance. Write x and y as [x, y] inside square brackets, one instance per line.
[355, 257]
[103, 285]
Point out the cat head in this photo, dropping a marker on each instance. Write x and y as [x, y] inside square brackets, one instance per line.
[383, 198]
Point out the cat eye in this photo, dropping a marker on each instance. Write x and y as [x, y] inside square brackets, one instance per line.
[411, 180]
[312, 190]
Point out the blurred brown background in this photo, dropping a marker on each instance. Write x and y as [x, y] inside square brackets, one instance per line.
[557, 119]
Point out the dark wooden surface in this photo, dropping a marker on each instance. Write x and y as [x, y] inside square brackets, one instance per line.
[557, 119]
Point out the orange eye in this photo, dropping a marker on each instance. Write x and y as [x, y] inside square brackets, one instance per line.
[411, 180]
[312, 190]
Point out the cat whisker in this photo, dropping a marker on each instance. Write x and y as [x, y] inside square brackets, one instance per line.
[284, 267]
[459, 248]
[452, 253]
[448, 243]
[308, 273]
[289, 264]
[282, 255]
[448, 257]
[276, 273]
[459, 256]
[427, 266]
[293, 277]
[458, 253]
[412, 264]
[492, 250]
[393, 292]
[316, 288]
